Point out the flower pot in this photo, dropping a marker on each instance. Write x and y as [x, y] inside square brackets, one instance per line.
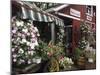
[81, 62]
[90, 60]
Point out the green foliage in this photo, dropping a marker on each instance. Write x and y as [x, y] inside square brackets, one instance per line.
[82, 43]
[84, 28]
[42, 49]
[78, 53]
[46, 51]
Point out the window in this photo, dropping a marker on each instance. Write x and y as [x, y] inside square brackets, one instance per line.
[89, 10]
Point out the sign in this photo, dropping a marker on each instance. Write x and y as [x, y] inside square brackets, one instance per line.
[89, 18]
[74, 12]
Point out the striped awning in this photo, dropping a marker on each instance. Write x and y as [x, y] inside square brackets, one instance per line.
[32, 12]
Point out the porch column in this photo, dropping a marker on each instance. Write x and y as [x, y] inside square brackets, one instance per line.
[53, 32]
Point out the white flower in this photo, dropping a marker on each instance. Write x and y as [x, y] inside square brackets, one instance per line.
[28, 43]
[38, 34]
[18, 39]
[25, 30]
[12, 39]
[13, 24]
[67, 59]
[26, 54]
[13, 49]
[29, 24]
[21, 51]
[14, 60]
[29, 61]
[21, 61]
[24, 40]
[33, 35]
[32, 45]
[36, 43]
[82, 28]
[35, 28]
[23, 36]
[14, 42]
[19, 23]
[31, 52]
[70, 61]
[19, 34]
[14, 55]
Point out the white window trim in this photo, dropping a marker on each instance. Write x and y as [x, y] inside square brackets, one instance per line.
[91, 11]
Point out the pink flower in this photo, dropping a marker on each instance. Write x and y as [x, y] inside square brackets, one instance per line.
[28, 34]
[14, 31]
[14, 55]
[13, 49]
[29, 62]
[14, 60]
[49, 53]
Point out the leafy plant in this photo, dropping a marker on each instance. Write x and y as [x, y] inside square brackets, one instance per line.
[78, 53]
[66, 62]
[82, 43]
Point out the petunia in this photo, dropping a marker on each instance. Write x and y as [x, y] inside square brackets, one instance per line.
[13, 31]
[25, 30]
[28, 33]
[21, 51]
[18, 39]
[36, 43]
[14, 55]
[38, 34]
[19, 23]
[21, 61]
[29, 62]
[13, 49]
[33, 35]
[23, 36]
[35, 28]
[28, 43]
[14, 60]
[32, 45]
[31, 52]
[24, 41]
[29, 24]
[19, 34]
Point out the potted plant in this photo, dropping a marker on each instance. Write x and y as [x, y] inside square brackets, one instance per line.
[66, 63]
[80, 58]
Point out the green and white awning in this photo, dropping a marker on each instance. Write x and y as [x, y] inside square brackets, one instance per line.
[32, 12]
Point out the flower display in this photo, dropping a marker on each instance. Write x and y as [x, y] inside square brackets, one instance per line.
[46, 51]
[84, 28]
[65, 62]
[90, 53]
[24, 40]
[60, 34]
[82, 43]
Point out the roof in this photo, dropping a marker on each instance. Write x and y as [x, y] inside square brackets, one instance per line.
[57, 8]
[31, 11]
